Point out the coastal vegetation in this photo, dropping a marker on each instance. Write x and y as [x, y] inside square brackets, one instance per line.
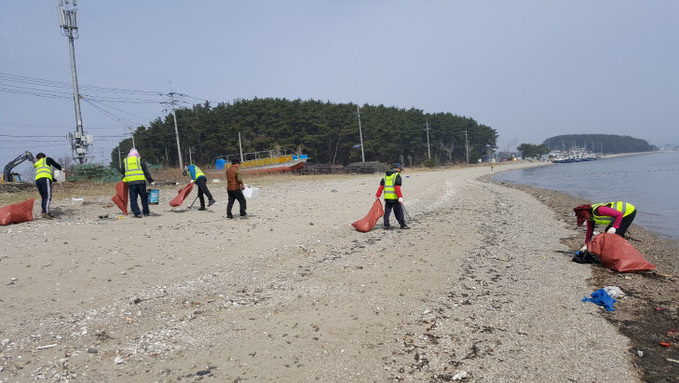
[329, 133]
[532, 151]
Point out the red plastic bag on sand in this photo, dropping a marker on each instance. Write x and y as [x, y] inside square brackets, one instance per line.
[617, 254]
[366, 223]
[179, 199]
[17, 213]
[120, 199]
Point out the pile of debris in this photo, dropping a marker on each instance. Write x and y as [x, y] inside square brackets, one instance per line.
[368, 167]
[93, 173]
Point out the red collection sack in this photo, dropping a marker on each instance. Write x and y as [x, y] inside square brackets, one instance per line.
[366, 223]
[179, 199]
[617, 254]
[17, 213]
[120, 199]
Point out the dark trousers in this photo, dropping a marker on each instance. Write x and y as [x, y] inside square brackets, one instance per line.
[139, 190]
[624, 224]
[398, 212]
[45, 189]
[203, 190]
[233, 196]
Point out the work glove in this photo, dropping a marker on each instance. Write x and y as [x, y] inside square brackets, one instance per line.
[153, 183]
[611, 230]
[583, 249]
[400, 200]
[192, 181]
[242, 187]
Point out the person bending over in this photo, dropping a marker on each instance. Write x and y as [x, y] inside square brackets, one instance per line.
[199, 178]
[617, 216]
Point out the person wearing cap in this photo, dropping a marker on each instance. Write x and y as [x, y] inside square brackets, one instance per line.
[234, 188]
[199, 178]
[617, 216]
[43, 180]
[136, 174]
[393, 198]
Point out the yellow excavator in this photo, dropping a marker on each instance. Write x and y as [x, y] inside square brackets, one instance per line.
[7, 175]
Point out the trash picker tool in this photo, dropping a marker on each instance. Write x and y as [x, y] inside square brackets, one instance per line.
[406, 214]
[194, 201]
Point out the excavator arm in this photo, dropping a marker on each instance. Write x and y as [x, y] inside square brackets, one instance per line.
[7, 175]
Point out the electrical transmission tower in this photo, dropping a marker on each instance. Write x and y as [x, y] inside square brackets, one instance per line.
[68, 21]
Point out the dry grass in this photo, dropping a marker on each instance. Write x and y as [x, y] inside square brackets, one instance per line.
[15, 193]
[23, 191]
[260, 179]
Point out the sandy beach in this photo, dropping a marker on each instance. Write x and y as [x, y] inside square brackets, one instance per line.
[480, 289]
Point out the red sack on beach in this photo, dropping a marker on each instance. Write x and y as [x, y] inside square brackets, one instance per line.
[179, 199]
[120, 199]
[17, 213]
[366, 223]
[617, 254]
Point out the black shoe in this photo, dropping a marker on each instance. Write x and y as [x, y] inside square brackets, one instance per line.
[244, 215]
[202, 208]
[211, 202]
[229, 216]
[387, 228]
[405, 227]
[137, 216]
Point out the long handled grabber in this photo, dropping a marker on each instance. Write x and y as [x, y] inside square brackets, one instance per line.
[194, 201]
[406, 214]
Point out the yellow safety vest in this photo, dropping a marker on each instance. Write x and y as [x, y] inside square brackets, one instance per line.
[42, 170]
[390, 187]
[133, 170]
[624, 207]
[198, 172]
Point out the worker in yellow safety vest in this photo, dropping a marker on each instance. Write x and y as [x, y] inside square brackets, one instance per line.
[393, 198]
[43, 180]
[199, 178]
[136, 174]
[617, 216]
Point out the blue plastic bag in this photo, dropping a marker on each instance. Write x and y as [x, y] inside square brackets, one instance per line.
[601, 298]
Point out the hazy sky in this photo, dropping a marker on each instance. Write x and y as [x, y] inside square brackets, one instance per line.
[529, 69]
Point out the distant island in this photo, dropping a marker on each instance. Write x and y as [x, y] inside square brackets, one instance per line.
[598, 143]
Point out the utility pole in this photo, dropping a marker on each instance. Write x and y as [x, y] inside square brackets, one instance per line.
[120, 161]
[466, 145]
[68, 21]
[240, 147]
[190, 158]
[360, 132]
[132, 135]
[176, 131]
[428, 147]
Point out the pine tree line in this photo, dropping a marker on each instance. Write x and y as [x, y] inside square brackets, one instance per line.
[327, 132]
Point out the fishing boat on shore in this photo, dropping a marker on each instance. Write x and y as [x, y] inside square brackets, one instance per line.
[574, 157]
[563, 160]
[268, 161]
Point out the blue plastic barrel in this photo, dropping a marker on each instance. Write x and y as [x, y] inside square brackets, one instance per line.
[154, 196]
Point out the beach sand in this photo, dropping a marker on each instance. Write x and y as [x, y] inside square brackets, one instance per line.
[481, 289]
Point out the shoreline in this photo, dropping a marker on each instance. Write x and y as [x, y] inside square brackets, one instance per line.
[583, 201]
[648, 311]
[295, 294]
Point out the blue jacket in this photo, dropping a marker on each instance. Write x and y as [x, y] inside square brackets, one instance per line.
[192, 172]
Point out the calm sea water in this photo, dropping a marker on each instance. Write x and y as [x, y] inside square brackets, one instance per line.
[648, 181]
